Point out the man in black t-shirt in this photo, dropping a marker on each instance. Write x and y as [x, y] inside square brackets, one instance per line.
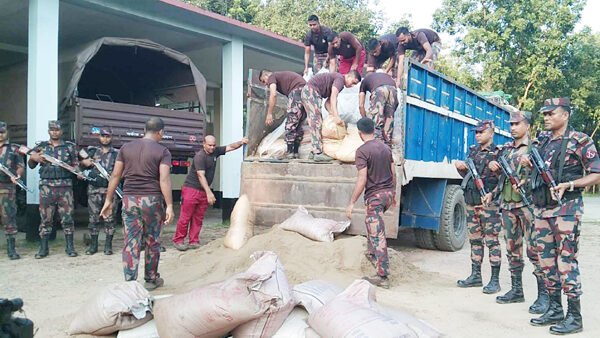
[316, 37]
[196, 194]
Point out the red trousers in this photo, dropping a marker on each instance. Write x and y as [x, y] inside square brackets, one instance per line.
[346, 64]
[193, 207]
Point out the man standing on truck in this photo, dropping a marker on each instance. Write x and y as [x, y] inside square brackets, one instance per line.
[384, 102]
[426, 46]
[350, 51]
[105, 156]
[324, 86]
[382, 50]
[376, 177]
[517, 213]
[316, 37]
[13, 161]
[196, 193]
[145, 165]
[483, 220]
[289, 84]
[56, 187]
[572, 161]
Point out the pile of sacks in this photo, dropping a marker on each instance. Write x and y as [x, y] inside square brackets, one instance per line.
[340, 142]
[256, 303]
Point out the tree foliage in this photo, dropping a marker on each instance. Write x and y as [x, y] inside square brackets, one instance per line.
[242, 10]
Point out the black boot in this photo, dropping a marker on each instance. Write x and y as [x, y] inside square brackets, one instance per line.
[474, 279]
[541, 303]
[494, 285]
[70, 248]
[10, 248]
[108, 245]
[554, 314]
[297, 149]
[289, 155]
[43, 251]
[572, 323]
[515, 294]
[93, 247]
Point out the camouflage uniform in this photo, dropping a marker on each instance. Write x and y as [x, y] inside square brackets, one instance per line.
[312, 103]
[97, 190]
[142, 215]
[8, 208]
[375, 207]
[295, 115]
[384, 102]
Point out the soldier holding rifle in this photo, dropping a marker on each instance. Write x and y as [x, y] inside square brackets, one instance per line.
[11, 170]
[517, 212]
[565, 161]
[482, 220]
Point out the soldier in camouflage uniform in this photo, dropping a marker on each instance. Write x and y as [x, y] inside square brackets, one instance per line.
[289, 84]
[376, 177]
[12, 160]
[383, 104]
[569, 154]
[483, 221]
[106, 156]
[56, 187]
[517, 214]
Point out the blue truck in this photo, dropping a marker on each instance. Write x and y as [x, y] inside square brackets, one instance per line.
[432, 128]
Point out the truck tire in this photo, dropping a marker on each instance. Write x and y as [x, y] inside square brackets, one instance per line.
[424, 238]
[452, 233]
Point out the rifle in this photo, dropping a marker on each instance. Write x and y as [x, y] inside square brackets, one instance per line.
[512, 177]
[56, 162]
[544, 171]
[476, 177]
[18, 181]
[84, 154]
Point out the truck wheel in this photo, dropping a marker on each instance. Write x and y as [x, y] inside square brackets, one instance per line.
[424, 239]
[453, 221]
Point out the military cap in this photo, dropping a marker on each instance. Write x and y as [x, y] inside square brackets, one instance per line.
[551, 104]
[518, 116]
[2, 127]
[106, 131]
[483, 125]
[54, 124]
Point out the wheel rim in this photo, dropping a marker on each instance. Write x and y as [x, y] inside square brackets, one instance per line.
[460, 220]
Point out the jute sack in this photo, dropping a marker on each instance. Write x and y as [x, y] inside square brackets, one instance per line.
[277, 286]
[241, 228]
[213, 310]
[332, 130]
[347, 150]
[351, 314]
[318, 229]
[112, 309]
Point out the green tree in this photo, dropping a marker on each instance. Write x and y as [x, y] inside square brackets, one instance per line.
[520, 44]
[242, 10]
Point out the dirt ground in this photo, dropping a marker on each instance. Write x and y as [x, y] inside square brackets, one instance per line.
[423, 282]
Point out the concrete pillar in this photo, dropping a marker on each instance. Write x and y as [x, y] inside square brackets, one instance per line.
[232, 114]
[42, 78]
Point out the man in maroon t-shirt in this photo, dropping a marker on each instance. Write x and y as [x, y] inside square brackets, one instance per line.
[425, 43]
[145, 165]
[196, 194]
[350, 51]
[384, 102]
[319, 87]
[289, 84]
[376, 177]
[317, 38]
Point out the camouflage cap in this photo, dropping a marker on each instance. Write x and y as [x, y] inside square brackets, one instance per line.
[2, 127]
[483, 125]
[54, 124]
[551, 104]
[106, 131]
[518, 116]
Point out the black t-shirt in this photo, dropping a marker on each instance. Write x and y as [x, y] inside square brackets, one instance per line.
[318, 40]
[205, 162]
[377, 158]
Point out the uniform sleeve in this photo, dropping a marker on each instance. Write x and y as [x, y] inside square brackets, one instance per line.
[166, 157]
[120, 154]
[589, 155]
[307, 38]
[401, 50]
[361, 159]
[18, 160]
[73, 155]
[220, 151]
[421, 38]
[363, 86]
[199, 161]
[338, 82]
[272, 80]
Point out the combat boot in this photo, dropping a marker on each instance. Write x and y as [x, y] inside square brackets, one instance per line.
[70, 248]
[573, 322]
[494, 285]
[541, 303]
[93, 247]
[474, 279]
[297, 149]
[10, 248]
[289, 155]
[381, 281]
[43, 251]
[108, 245]
[515, 294]
[554, 314]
